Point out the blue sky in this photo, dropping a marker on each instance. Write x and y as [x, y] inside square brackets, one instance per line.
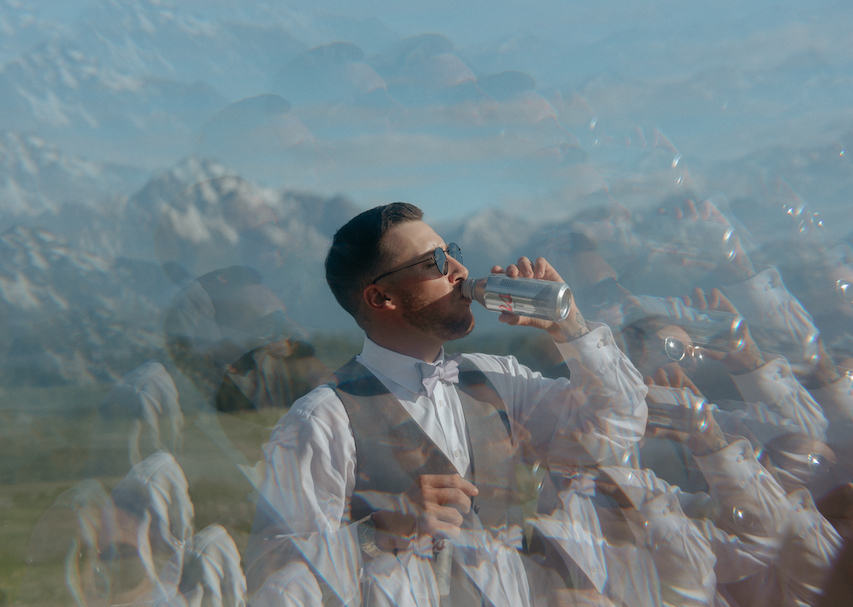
[738, 89]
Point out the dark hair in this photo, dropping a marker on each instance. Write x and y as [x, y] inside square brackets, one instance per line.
[356, 255]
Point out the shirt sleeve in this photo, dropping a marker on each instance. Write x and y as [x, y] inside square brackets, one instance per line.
[303, 518]
[310, 463]
[751, 502]
[784, 532]
[836, 400]
[775, 385]
[683, 556]
[599, 414]
[777, 320]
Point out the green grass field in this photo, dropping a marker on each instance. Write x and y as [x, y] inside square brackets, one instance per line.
[47, 446]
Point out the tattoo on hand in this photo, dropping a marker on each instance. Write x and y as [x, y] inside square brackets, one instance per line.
[582, 328]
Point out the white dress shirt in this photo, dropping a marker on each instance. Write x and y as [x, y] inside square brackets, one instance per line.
[440, 415]
[782, 326]
[748, 529]
[777, 320]
[311, 458]
[775, 385]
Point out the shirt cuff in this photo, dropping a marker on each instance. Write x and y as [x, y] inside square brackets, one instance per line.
[597, 349]
[754, 295]
[768, 380]
[836, 399]
[734, 463]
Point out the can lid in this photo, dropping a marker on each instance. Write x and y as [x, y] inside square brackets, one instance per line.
[564, 303]
[730, 244]
[738, 333]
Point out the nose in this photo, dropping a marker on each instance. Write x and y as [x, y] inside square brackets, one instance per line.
[456, 272]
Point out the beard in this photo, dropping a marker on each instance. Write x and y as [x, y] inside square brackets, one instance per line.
[435, 320]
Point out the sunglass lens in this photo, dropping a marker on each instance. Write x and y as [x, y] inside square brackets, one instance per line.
[674, 348]
[441, 257]
[454, 251]
[440, 260]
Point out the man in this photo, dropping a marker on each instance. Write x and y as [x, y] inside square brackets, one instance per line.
[401, 477]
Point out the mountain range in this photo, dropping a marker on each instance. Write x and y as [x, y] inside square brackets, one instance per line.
[146, 142]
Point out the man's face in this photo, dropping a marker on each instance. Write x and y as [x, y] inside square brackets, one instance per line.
[428, 301]
[653, 352]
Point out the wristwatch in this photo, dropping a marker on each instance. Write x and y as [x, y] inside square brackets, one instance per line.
[366, 537]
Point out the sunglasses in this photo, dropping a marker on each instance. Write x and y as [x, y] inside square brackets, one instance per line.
[439, 256]
[674, 349]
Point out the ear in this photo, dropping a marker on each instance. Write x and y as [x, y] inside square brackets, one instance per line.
[377, 299]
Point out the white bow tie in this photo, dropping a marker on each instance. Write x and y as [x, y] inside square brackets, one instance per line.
[431, 374]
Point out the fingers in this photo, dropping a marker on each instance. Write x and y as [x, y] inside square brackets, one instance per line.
[714, 300]
[437, 500]
[671, 376]
[660, 377]
[704, 211]
[721, 302]
[679, 379]
[430, 482]
[701, 353]
[449, 481]
[525, 268]
[541, 269]
[444, 498]
[699, 299]
[446, 495]
[510, 319]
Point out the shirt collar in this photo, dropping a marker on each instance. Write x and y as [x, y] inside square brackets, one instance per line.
[399, 368]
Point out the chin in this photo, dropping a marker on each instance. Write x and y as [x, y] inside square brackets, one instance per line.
[468, 329]
[458, 328]
[438, 320]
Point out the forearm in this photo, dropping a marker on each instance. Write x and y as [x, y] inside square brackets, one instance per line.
[751, 501]
[774, 384]
[570, 329]
[777, 320]
[605, 410]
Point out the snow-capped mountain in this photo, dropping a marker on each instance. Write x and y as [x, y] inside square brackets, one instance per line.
[182, 137]
[70, 317]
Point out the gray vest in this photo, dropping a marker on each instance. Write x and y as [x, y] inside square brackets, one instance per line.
[392, 450]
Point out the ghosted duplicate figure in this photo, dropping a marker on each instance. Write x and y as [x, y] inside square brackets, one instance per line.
[396, 484]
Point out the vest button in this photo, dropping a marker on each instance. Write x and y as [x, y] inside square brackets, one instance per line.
[476, 508]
